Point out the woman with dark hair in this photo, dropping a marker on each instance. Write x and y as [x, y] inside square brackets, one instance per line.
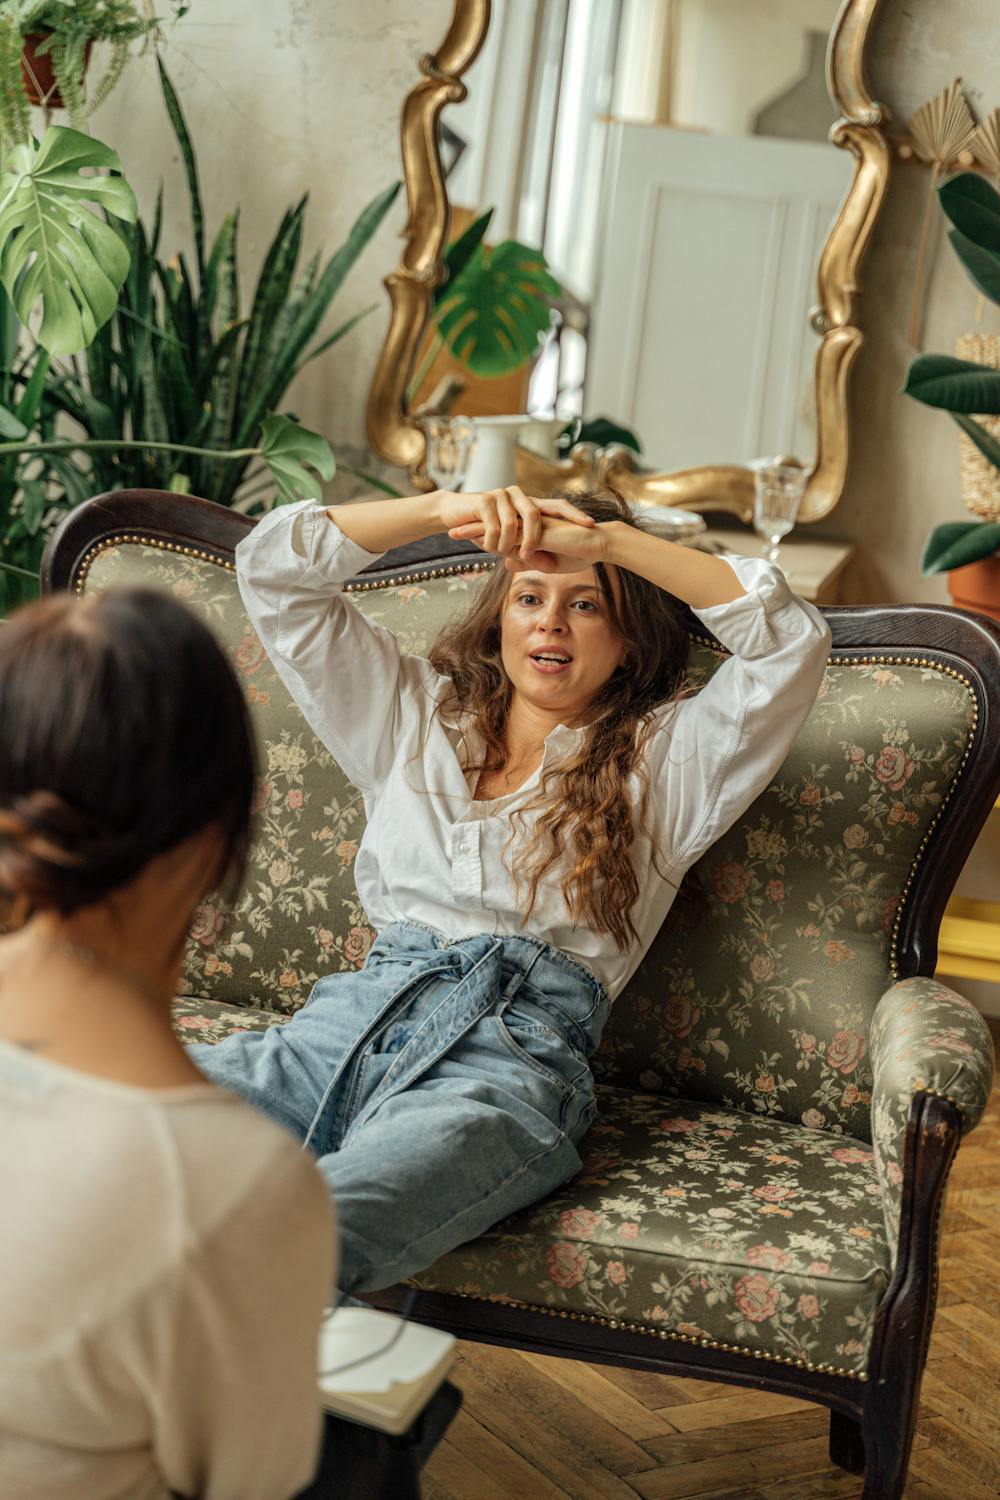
[535, 791]
[166, 1251]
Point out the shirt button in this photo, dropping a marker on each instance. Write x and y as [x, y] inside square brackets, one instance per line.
[464, 848]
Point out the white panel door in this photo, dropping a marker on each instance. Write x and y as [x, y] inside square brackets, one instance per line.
[701, 339]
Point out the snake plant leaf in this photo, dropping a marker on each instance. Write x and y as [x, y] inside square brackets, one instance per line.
[460, 252]
[493, 313]
[984, 441]
[973, 206]
[287, 448]
[55, 249]
[957, 543]
[982, 265]
[954, 384]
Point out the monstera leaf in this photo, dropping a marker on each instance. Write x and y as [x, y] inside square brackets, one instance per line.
[286, 449]
[53, 247]
[492, 313]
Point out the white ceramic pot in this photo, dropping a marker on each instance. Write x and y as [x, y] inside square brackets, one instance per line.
[492, 465]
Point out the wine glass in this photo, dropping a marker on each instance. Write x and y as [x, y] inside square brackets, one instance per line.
[450, 445]
[779, 484]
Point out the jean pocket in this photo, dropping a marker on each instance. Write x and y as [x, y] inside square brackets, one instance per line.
[540, 1048]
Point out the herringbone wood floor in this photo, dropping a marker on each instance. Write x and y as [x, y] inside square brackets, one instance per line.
[546, 1429]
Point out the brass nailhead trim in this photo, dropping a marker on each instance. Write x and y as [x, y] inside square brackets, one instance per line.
[391, 583]
[145, 541]
[661, 1333]
[132, 538]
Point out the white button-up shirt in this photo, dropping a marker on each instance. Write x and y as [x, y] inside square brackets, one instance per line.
[433, 854]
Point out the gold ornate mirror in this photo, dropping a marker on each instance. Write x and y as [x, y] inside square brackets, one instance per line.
[707, 269]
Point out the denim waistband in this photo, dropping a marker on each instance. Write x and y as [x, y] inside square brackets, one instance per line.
[559, 982]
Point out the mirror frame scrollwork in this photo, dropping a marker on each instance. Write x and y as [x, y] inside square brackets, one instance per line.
[861, 129]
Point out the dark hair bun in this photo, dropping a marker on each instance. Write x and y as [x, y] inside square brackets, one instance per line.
[123, 732]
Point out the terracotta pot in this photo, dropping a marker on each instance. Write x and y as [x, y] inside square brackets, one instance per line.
[36, 72]
[977, 587]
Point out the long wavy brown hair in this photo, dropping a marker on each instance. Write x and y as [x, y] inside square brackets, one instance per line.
[583, 807]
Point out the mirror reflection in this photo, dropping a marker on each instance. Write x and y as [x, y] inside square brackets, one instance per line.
[671, 161]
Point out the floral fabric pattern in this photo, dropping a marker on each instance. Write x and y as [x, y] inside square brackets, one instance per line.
[212, 1021]
[761, 994]
[707, 1222]
[298, 916]
[730, 1190]
[923, 1036]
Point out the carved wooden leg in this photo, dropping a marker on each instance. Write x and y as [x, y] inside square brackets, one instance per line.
[906, 1312]
[847, 1449]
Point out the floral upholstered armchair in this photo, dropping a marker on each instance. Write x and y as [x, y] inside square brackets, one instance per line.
[783, 1084]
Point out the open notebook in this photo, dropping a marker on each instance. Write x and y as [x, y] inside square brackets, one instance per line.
[403, 1365]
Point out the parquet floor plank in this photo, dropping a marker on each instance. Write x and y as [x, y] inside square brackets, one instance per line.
[741, 1437]
[681, 1481]
[589, 1385]
[539, 1428]
[743, 1406]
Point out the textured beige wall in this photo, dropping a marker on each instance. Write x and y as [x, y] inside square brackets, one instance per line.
[285, 97]
[904, 470]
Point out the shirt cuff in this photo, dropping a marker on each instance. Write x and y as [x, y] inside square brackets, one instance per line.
[765, 614]
[325, 551]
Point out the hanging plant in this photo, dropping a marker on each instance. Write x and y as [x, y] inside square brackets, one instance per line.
[45, 47]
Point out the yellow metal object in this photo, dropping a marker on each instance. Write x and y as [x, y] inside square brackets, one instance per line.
[969, 942]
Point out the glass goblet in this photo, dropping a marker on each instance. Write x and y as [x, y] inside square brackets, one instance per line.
[450, 445]
[779, 484]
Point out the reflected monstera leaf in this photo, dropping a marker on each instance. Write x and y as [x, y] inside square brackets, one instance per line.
[492, 314]
[287, 448]
[53, 247]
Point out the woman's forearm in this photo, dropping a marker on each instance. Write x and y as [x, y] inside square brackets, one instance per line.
[697, 578]
[380, 525]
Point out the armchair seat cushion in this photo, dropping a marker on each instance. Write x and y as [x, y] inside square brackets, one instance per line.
[702, 1223]
[197, 1020]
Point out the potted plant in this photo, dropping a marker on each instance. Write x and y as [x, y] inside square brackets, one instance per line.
[47, 48]
[177, 388]
[969, 551]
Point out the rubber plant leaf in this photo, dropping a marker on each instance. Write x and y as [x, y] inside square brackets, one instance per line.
[954, 384]
[958, 543]
[287, 448]
[493, 313]
[982, 265]
[54, 249]
[973, 206]
[987, 444]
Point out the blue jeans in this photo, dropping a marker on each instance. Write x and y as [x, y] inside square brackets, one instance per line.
[442, 1087]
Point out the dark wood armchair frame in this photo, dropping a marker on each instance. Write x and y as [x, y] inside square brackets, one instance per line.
[873, 1416]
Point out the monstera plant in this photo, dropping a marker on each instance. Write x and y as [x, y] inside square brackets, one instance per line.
[174, 387]
[493, 306]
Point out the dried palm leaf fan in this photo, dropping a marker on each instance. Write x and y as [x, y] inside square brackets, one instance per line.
[940, 131]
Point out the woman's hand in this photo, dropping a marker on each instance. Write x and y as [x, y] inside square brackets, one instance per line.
[505, 521]
[561, 546]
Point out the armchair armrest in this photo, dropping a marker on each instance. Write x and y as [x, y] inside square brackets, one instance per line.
[924, 1039]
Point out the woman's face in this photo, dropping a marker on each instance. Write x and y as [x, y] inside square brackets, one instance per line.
[558, 642]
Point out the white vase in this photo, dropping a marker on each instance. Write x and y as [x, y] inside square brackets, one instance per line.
[492, 465]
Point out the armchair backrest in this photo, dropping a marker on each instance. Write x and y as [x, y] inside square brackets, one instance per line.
[760, 988]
